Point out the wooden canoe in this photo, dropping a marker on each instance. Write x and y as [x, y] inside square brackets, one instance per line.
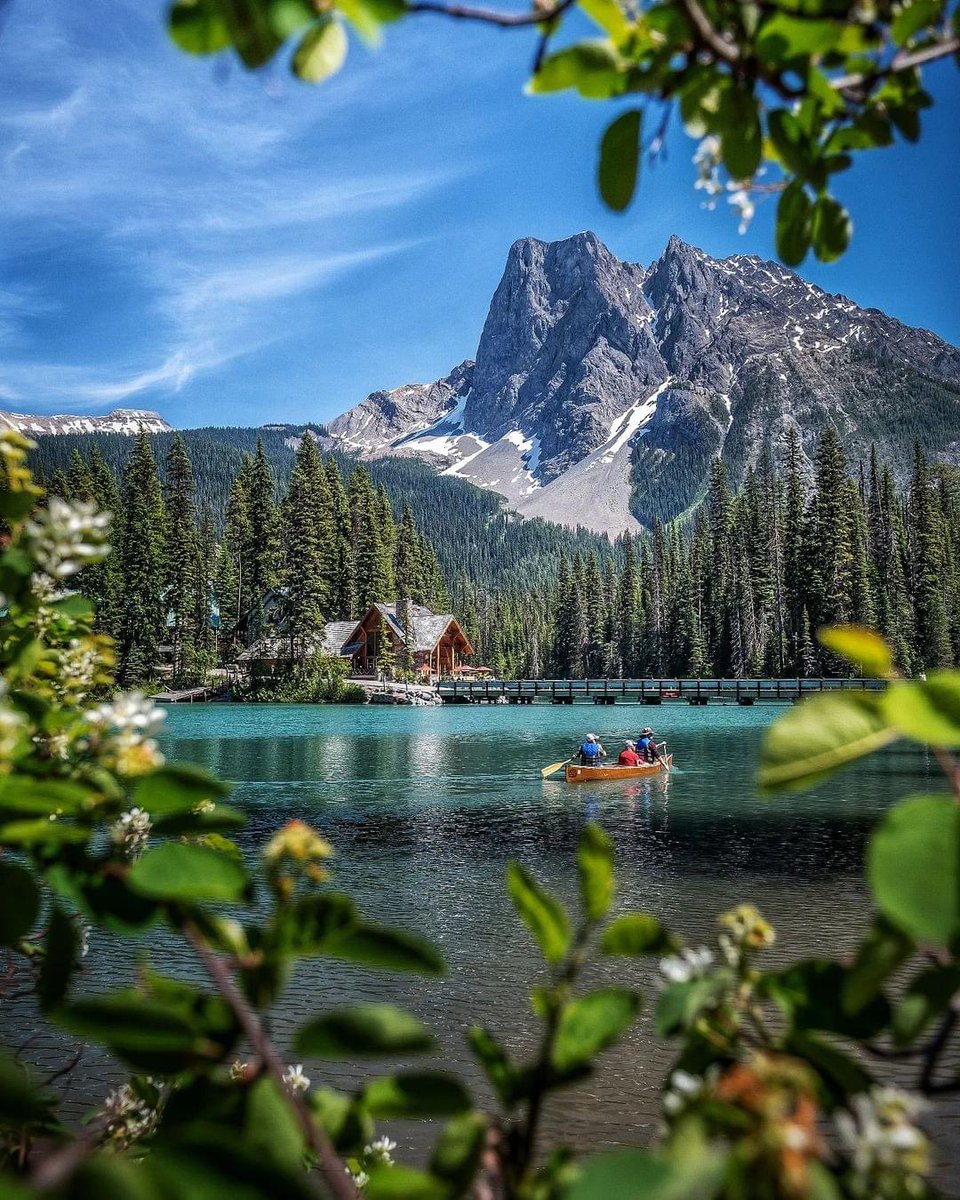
[577, 774]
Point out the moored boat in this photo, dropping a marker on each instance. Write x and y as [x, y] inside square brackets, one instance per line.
[575, 773]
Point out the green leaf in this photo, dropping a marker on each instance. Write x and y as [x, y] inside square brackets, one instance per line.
[305, 927]
[288, 17]
[637, 934]
[456, 1156]
[811, 993]
[913, 18]
[496, 1064]
[927, 710]
[188, 874]
[619, 162]
[391, 949]
[368, 16]
[862, 647]
[741, 138]
[60, 960]
[783, 38]
[791, 143]
[839, 1074]
[198, 27]
[593, 67]
[632, 1174]
[401, 1182]
[322, 51]
[146, 1034]
[210, 1163]
[595, 863]
[794, 220]
[610, 16]
[19, 902]
[680, 1004]
[883, 951]
[365, 1029]
[20, 1101]
[913, 866]
[819, 736]
[42, 832]
[415, 1094]
[223, 819]
[271, 1127]
[927, 996]
[349, 1126]
[544, 916]
[592, 1023]
[830, 229]
[177, 789]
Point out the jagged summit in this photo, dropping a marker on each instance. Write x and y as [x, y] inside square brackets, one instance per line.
[120, 420]
[602, 389]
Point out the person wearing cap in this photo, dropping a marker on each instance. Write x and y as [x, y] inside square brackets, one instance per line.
[628, 755]
[647, 747]
[591, 751]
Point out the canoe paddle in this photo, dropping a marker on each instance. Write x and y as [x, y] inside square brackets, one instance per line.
[554, 767]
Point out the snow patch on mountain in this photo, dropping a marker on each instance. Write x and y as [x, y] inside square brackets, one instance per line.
[128, 421]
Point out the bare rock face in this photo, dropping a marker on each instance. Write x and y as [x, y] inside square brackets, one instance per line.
[120, 420]
[602, 390]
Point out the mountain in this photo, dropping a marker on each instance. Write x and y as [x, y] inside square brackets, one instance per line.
[121, 420]
[602, 390]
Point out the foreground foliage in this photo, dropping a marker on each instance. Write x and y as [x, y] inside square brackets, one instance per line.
[780, 96]
[770, 1094]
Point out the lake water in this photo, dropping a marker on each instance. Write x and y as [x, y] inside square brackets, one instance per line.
[425, 806]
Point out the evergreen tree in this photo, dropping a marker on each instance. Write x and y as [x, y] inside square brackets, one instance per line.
[181, 547]
[307, 524]
[931, 646]
[141, 618]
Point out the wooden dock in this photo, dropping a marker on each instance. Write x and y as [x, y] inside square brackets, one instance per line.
[697, 692]
[197, 695]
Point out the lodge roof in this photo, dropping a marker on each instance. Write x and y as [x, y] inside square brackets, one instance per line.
[428, 627]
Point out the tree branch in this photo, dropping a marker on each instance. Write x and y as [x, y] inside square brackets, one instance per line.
[505, 20]
[901, 62]
[724, 50]
[339, 1182]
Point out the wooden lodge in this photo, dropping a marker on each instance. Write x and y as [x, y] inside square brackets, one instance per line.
[435, 643]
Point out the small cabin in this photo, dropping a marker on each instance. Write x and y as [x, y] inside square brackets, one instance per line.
[435, 642]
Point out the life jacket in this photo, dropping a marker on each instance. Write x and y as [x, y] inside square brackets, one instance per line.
[645, 748]
[590, 750]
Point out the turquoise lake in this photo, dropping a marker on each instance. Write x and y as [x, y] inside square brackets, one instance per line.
[425, 805]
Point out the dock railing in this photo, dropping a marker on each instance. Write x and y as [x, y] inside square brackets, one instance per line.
[643, 691]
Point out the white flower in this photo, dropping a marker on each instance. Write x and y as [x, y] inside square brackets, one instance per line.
[360, 1178]
[295, 1079]
[131, 831]
[682, 1089]
[740, 200]
[123, 728]
[688, 964]
[238, 1070]
[129, 712]
[380, 1152]
[889, 1155]
[65, 536]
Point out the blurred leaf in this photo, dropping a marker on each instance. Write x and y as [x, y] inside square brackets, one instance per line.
[632, 1174]
[401, 1182]
[783, 38]
[619, 162]
[365, 1029]
[680, 1004]
[456, 1156]
[592, 1023]
[790, 142]
[637, 934]
[144, 1033]
[344, 1118]
[914, 17]
[19, 902]
[198, 27]
[322, 51]
[391, 949]
[288, 17]
[544, 916]
[188, 874]
[60, 960]
[271, 1126]
[221, 819]
[830, 229]
[840, 1074]
[927, 710]
[368, 16]
[862, 647]
[595, 862]
[177, 788]
[811, 993]
[882, 952]
[211, 1164]
[741, 139]
[928, 995]
[913, 866]
[22, 796]
[495, 1062]
[415, 1094]
[610, 16]
[794, 220]
[304, 927]
[593, 67]
[42, 832]
[821, 734]
[20, 1100]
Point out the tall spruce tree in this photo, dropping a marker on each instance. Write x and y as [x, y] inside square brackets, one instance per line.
[307, 574]
[142, 611]
[181, 547]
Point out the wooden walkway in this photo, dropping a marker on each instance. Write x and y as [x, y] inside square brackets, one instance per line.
[642, 691]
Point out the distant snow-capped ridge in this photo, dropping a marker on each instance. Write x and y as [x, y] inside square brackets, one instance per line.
[120, 420]
[602, 390]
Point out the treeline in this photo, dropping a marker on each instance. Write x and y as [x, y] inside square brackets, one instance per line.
[175, 591]
[741, 588]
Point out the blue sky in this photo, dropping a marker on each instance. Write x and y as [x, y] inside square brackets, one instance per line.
[235, 249]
